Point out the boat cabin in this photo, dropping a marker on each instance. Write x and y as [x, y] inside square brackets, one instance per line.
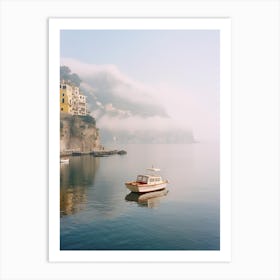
[148, 179]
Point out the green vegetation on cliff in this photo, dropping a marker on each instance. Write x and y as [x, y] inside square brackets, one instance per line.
[65, 74]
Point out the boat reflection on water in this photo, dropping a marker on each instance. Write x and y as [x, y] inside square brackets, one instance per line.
[150, 199]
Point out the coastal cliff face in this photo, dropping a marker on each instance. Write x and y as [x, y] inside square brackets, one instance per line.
[78, 133]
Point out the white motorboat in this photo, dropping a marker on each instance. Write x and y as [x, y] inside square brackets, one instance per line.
[64, 160]
[147, 183]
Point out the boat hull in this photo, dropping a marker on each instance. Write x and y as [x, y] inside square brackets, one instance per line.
[142, 188]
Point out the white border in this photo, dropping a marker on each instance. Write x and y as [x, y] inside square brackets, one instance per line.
[222, 24]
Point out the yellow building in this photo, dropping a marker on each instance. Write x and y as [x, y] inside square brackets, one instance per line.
[66, 98]
[72, 101]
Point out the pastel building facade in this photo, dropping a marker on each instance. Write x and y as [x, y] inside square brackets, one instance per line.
[72, 101]
[66, 102]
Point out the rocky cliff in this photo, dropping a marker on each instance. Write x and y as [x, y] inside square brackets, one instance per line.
[78, 133]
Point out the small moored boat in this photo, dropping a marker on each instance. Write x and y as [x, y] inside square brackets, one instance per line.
[147, 183]
[64, 160]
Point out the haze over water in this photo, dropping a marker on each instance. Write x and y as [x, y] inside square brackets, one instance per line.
[99, 213]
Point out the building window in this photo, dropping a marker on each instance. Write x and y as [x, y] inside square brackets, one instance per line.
[62, 100]
[62, 94]
[61, 109]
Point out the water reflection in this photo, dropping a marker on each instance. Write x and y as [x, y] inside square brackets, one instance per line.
[80, 171]
[72, 200]
[75, 179]
[99, 213]
[151, 199]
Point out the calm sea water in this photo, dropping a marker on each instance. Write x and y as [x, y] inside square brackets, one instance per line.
[98, 212]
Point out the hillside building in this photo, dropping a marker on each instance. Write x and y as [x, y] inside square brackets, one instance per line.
[72, 101]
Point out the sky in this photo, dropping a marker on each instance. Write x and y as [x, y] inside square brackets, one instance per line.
[170, 71]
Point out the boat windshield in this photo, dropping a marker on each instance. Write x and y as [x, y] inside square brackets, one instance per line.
[142, 179]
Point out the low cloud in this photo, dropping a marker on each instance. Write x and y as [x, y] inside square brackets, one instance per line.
[136, 123]
[119, 102]
[109, 86]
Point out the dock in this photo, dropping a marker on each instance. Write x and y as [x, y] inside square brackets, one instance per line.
[95, 153]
